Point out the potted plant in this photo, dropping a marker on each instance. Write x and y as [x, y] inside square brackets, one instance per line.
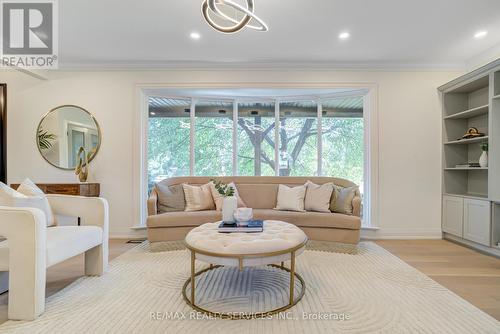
[483, 159]
[229, 201]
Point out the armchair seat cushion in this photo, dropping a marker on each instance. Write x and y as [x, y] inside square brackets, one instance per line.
[63, 242]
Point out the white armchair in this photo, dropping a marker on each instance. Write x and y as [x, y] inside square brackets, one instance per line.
[31, 248]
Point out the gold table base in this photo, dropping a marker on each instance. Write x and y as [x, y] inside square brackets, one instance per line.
[241, 315]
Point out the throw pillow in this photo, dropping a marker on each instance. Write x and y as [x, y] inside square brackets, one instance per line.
[218, 198]
[198, 198]
[170, 198]
[291, 199]
[318, 197]
[13, 198]
[342, 199]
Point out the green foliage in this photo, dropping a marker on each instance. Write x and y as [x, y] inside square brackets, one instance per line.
[484, 147]
[342, 142]
[223, 189]
[45, 138]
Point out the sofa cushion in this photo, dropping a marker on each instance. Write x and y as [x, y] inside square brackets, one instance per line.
[29, 188]
[318, 196]
[310, 219]
[179, 219]
[170, 198]
[15, 199]
[301, 219]
[291, 198]
[198, 198]
[341, 201]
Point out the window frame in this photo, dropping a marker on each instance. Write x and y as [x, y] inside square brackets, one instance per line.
[369, 93]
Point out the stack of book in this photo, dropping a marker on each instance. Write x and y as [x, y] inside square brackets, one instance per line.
[252, 226]
[467, 165]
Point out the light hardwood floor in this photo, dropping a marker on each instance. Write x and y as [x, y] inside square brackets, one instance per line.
[471, 275]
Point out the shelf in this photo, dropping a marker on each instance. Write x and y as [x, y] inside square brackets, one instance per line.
[469, 113]
[467, 141]
[496, 97]
[466, 168]
[472, 196]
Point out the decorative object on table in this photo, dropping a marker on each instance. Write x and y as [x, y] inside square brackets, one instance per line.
[235, 16]
[229, 201]
[82, 167]
[61, 133]
[251, 226]
[218, 198]
[483, 159]
[243, 216]
[472, 132]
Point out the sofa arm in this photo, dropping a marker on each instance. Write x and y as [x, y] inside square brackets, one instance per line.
[153, 203]
[356, 206]
[25, 230]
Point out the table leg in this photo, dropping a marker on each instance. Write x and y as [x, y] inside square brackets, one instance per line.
[292, 276]
[193, 259]
[79, 221]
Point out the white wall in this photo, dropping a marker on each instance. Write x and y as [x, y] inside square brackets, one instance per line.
[409, 133]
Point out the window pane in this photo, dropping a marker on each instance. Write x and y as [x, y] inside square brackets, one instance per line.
[343, 138]
[214, 143]
[298, 138]
[256, 139]
[168, 139]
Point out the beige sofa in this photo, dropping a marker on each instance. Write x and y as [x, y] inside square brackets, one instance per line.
[259, 193]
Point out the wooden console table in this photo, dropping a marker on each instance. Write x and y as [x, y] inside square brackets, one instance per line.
[75, 189]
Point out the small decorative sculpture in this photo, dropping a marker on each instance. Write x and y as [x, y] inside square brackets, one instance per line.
[82, 167]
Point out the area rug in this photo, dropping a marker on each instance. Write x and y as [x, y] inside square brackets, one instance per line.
[364, 291]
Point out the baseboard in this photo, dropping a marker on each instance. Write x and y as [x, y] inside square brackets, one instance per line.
[401, 233]
[494, 251]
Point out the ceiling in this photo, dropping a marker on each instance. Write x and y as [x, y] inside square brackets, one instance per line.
[155, 33]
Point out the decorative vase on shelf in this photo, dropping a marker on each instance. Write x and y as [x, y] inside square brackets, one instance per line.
[229, 204]
[483, 159]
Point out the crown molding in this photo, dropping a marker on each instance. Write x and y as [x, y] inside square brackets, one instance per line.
[264, 66]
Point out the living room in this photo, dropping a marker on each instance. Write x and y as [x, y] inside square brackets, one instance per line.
[390, 122]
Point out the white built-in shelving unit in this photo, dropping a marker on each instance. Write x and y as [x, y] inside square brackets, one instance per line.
[471, 195]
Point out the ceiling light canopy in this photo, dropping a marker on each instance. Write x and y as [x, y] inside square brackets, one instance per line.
[213, 8]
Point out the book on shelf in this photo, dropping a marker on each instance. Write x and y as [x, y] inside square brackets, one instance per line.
[470, 164]
[252, 226]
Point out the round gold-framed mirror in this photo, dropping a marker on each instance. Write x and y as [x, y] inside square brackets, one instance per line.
[63, 131]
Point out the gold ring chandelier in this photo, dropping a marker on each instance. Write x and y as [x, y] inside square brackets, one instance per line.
[212, 8]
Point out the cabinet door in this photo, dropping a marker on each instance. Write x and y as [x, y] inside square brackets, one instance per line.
[477, 221]
[453, 210]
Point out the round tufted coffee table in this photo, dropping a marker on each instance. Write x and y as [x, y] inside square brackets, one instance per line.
[279, 242]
